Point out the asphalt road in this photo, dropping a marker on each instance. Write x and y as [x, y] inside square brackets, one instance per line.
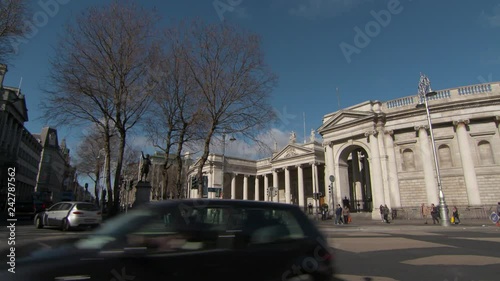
[416, 252]
[373, 251]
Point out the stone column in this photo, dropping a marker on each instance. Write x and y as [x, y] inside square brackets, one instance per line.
[233, 186]
[287, 185]
[497, 119]
[300, 179]
[467, 162]
[245, 187]
[356, 175]
[275, 185]
[257, 188]
[393, 170]
[384, 166]
[266, 188]
[428, 163]
[376, 174]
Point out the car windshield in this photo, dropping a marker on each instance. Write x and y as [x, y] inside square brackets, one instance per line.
[87, 207]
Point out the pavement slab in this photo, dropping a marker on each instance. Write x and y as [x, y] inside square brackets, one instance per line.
[373, 244]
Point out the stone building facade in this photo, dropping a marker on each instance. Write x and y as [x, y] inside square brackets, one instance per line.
[18, 148]
[381, 153]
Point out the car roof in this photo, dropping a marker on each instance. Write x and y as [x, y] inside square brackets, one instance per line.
[221, 202]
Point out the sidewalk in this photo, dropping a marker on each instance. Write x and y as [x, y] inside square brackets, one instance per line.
[401, 224]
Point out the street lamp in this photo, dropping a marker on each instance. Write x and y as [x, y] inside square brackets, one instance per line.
[424, 92]
[232, 138]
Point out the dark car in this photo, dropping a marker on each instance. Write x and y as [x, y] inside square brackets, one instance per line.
[25, 209]
[192, 240]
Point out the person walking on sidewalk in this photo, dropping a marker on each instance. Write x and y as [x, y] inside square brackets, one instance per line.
[424, 210]
[345, 212]
[338, 215]
[434, 214]
[310, 207]
[455, 216]
[386, 214]
[382, 212]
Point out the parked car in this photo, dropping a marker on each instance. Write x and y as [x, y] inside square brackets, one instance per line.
[67, 215]
[25, 209]
[192, 240]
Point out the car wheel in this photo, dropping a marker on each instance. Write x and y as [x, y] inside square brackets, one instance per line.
[65, 225]
[38, 222]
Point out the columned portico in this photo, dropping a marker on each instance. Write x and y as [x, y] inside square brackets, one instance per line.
[395, 195]
[245, 187]
[427, 160]
[467, 162]
[275, 185]
[300, 179]
[266, 188]
[376, 174]
[257, 188]
[287, 185]
[233, 186]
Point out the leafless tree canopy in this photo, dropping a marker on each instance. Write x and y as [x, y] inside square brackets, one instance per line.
[12, 16]
[101, 73]
[233, 83]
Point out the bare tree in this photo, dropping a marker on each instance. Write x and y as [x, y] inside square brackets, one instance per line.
[102, 75]
[12, 16]
[233, 83]
[177, 112]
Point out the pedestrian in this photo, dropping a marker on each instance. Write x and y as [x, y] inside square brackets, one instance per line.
[386, 213]
[346, 203]
[455, 216]
[382, 212]
[424, 210]
[338, 215]
[345, 212]
[498, 209]
[434, 214]
[310, 207]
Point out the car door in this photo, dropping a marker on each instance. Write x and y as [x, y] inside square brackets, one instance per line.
[50, 214]
[61, 213]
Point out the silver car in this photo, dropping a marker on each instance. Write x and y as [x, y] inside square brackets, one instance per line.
[67, 215]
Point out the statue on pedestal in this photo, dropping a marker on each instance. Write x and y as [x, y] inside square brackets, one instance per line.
[313, 135]
[293, 137]
[146, 163]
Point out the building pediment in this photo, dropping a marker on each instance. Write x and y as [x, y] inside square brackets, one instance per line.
[292, 150]
[346, 118]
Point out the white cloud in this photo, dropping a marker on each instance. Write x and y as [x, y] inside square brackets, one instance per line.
[493, 19]
[318, 9]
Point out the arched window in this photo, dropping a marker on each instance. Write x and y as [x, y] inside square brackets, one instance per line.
[408, 160]
[485, 153]
[444, 153]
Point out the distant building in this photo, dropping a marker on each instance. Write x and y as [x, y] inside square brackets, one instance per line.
[55, 175]
[18, 148]
[380, 153]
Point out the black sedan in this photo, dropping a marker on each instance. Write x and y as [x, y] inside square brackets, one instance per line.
[192, 240]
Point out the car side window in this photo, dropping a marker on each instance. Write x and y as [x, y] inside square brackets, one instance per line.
[65, 207]
[55, 207]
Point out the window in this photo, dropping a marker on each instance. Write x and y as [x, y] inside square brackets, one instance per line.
[485, 153]
[408, 160]
[444, 153]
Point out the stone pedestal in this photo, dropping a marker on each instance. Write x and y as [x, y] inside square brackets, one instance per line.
[142, 193]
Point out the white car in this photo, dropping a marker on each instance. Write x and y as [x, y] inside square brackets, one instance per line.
[67, 215]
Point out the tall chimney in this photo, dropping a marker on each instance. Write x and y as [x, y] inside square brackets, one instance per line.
[3, 70]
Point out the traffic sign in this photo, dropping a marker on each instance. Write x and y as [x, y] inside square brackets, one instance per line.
[332, 178]
[494, 217]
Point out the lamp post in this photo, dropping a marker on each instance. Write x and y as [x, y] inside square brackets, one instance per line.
[232, 138]
[424, 92]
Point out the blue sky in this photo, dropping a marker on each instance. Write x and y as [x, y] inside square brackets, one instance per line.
[455, 43]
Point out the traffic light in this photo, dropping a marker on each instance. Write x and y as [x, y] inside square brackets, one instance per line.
[194, 182]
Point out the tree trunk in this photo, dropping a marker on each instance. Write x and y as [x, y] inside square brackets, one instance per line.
[203, 160]
[117, 183]
[180, 179]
